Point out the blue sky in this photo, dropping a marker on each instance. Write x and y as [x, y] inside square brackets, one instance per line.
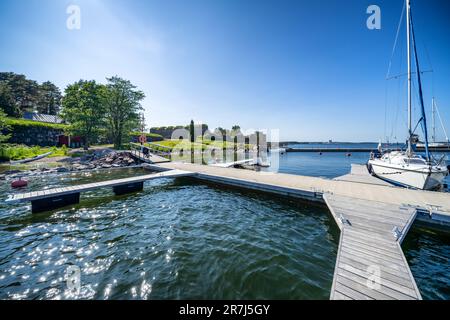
[309, 68]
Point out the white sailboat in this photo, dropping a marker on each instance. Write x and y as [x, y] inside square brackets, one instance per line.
[405, 167]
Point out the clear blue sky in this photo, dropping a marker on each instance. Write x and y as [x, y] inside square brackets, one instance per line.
[309, 68]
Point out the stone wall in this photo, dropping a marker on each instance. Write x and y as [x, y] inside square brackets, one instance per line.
[34, 135]
[150, 138]
[166, 132]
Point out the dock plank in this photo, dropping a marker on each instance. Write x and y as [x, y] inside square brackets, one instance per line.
[48, 193]
[386, 273]
[371, 260]
[349, 292]
[360, 288]
[384, 281]
[370, 247]
[369, 250]
[365, 289]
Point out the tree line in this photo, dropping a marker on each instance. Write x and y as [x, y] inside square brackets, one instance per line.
[91, 109]
[19, 94]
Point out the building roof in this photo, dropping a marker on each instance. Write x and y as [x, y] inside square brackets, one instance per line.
[42, 117]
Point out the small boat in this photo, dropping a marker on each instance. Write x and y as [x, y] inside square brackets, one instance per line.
[406, 168]
[234, 163]
[278, 150]
[41, 156]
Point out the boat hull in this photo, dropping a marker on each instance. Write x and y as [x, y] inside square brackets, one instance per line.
[424, 179]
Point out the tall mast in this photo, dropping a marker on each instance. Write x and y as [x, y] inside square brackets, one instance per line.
[433, 115]
[409, 75]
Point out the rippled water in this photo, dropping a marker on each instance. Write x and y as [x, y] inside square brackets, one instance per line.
[176, 239]
[328, 164]
[428, 254]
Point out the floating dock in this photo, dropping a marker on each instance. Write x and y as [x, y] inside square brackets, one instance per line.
[45, 200]
[360, 174]
[374, 218]
[370, 263]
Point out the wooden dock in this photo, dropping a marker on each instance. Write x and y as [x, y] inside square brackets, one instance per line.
[370, 263]
[360, 174]
[313, 188]
[45, 200]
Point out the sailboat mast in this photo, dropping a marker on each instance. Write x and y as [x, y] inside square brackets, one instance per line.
[433, 115]
[408, 38]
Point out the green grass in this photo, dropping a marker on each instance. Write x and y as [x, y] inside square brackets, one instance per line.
[169, 145]
[20, 152]
[13, 122]
[148, 135]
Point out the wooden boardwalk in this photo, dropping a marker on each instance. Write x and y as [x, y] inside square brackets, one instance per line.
[148, 158]
[360, 174]
[370, 263]
[312, 188]
[59, 197]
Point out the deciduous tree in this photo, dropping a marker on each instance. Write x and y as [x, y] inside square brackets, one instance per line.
[23, 91]
[7, 103]
[122, 103]
[83, 109]
[3, 126]
[49, 98]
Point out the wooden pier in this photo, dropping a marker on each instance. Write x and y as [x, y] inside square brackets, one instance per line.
[147, 158]
[313, 188]
[360, 174]
[374, 218]
[45, 200]
[370, 263]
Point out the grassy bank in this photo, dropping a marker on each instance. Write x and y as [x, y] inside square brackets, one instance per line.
[14, 122]
[169, 145]
[20, 152]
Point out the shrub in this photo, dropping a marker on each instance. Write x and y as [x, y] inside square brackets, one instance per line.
[20, 152]
[13, 122]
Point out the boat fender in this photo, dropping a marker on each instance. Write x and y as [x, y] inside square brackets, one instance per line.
[369, 168]
[19, 183]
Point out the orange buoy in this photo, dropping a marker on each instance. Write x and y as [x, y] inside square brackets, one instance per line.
[19, 183]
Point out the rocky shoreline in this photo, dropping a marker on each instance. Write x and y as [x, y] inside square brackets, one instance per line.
[101, 159]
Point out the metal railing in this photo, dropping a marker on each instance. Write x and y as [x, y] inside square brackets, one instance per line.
[147, 149]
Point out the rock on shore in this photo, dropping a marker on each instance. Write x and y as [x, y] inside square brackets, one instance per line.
[110, 160]
[103, 159]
